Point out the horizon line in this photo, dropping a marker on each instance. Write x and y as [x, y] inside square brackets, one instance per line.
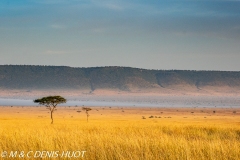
[117, 66]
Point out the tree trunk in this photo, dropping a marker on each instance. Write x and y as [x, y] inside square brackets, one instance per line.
[52, 117]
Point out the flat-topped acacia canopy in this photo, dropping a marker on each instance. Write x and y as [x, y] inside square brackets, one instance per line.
[51, 100]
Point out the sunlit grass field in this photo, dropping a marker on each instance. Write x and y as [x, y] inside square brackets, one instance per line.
[121, 133]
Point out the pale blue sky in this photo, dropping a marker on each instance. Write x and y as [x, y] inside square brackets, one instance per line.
[168, 34]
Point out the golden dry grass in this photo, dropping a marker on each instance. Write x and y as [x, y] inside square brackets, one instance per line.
[119, 134]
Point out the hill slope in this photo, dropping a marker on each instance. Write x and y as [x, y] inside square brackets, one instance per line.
[116, 78]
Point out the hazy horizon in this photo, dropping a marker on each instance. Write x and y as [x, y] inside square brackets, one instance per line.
[115, 66]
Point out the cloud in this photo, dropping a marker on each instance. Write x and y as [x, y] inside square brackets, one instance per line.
[50, 1]
[99, 30]
[54, 52]
[111, 5]
[57, 26]
[114, 7]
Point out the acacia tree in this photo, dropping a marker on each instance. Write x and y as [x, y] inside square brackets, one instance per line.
[51, 103]
[86, 110]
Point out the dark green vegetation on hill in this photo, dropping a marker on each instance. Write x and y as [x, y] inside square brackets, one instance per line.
[120, 78]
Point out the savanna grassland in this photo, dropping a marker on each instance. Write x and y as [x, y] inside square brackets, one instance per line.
[121, 133]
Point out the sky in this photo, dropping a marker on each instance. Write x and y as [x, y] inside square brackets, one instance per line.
[150, 34]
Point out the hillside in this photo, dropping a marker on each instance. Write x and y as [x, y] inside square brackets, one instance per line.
[125, 79]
